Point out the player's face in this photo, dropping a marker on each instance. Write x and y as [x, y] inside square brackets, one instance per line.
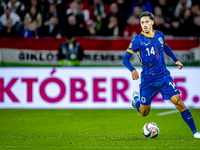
[146, 24]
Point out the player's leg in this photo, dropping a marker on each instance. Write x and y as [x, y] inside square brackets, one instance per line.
[170, 91]
[176, 100]
[142, 101]
[142, 109]
[185, 113]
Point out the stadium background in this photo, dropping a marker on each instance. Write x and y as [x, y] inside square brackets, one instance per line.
[47, 106]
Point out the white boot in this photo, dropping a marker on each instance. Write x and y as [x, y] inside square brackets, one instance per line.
[197, 135]
[135, 94]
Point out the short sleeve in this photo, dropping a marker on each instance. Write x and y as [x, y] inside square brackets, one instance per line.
[133, 46]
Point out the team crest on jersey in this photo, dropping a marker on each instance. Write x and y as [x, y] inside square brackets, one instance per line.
[130, 46]
[143, 99]
[161, 40]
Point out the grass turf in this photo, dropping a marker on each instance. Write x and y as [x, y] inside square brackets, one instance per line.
[93, 129]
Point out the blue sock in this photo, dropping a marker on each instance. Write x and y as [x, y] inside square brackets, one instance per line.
[187, 117]
[137, 103]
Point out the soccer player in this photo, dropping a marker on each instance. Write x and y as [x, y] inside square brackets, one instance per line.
[150, 47]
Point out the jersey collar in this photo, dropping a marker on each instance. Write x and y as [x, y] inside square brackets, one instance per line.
[148, 35]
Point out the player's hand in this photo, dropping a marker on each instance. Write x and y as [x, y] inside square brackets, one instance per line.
[179, 64]
[135, 75]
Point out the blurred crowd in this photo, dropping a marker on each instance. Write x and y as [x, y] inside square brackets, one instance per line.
[58, 18]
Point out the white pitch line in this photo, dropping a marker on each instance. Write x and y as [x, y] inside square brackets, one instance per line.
[167, 112]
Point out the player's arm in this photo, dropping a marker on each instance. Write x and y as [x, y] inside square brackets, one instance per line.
[169, 52]
[128, 65]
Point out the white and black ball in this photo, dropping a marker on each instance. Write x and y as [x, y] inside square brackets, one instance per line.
[151, 130]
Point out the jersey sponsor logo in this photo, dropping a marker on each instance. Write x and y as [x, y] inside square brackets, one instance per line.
[161, 40]
[143, 99]
[147, 44]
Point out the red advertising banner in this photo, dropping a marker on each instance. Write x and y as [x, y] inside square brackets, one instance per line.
[97, 51]
[117, 44]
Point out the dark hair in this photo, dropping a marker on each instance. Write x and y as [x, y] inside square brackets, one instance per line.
[146, 14]
[33, 16]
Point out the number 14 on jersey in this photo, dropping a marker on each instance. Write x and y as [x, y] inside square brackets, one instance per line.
[150, 51]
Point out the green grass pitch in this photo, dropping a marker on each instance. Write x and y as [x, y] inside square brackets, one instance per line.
[93, 129]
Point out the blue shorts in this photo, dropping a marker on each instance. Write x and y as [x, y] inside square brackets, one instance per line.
[149, 89]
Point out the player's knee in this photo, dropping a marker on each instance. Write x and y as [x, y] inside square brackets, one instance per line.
[144, 113]
[144, 110]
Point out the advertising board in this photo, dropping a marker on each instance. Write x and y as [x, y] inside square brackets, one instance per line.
[86, 87]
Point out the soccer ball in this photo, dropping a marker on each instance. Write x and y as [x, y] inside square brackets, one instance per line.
[150, 130]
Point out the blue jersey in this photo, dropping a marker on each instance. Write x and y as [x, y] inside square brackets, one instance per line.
[150, 50]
